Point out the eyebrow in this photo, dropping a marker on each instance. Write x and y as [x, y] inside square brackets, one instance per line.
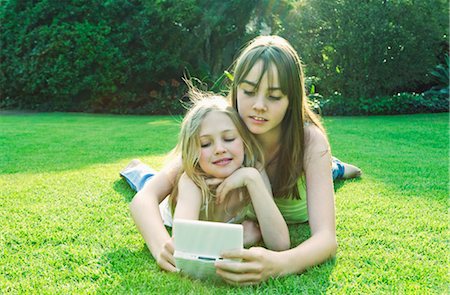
[254, 85]
[223, 131]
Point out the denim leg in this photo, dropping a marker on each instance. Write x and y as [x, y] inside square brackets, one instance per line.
[137, 176]
[337, 168]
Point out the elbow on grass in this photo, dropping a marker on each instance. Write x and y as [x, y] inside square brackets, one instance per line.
[280, 246]
[333, 245]
[135, 203]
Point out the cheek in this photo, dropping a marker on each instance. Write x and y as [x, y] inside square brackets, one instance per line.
[203, 159]
[203, 155]
[282, 110]
[238, 149]
[241, 106]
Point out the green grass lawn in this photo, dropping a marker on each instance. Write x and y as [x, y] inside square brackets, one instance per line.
[66, 227]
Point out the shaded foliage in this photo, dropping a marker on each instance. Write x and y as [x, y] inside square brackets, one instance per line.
[373, 48]
[441, 76]
[128, 56]
[401, 103]
[120, 56]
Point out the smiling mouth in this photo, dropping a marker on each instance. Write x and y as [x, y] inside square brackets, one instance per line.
[259, 119]
[222, 162]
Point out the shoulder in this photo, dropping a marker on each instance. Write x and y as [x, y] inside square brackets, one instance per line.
[315, 138]
[316, 147]
[186, 186]
[172, 168]
[185, 180]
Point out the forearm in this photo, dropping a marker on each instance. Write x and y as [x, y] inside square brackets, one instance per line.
[273, 227]
[314, 251]
[145, 212]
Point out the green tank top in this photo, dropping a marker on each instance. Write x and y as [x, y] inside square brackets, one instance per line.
[293, 210]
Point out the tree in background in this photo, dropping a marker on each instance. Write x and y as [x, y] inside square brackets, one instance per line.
[207, 33]
[55, 55]
[127, 56]
[120, 56]
[369, 48]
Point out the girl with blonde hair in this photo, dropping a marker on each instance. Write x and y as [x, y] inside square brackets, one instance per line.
[218, 153]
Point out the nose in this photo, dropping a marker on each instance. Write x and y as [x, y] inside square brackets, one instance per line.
[260, 103]
[219, 148]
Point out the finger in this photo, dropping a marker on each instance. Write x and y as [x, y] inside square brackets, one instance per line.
[168, 257]
[245, 254]
[168, 251]
[240, 283]
[213, 181]
[222, 192]
[167, 266]
[238, 267]
[219, 195]
[239, 278]
[169, 246]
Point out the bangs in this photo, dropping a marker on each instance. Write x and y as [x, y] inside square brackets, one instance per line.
[271, 57]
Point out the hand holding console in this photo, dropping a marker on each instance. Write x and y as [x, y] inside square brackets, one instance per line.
[198, 244]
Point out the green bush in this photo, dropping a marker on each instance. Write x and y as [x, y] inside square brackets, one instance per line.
[401, 103]
[372, 48]
[124, 56]
[441, 75]
[113, 56]
[56, 56]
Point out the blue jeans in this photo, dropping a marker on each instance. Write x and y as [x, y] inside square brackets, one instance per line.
[337, 168]
[138, 175]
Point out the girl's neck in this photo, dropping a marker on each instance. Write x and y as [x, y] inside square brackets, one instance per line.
[270, 144]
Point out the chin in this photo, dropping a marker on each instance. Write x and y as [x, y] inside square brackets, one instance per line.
[222, 174]
[256, 131]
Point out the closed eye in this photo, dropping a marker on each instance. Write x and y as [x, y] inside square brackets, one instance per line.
[249, 93]
[272, 97]
[205, 145]
[229, 139]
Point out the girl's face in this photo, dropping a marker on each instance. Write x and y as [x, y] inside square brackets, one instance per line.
[221, 146]
[262, 109]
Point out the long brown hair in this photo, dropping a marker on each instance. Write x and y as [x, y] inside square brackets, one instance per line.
[276, 52]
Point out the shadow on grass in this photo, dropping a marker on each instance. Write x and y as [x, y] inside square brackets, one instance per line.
[47, 142]
[315, 280]
[123, 188]
[146, 270]
[132, 272]
[136, 272]
[338, 184]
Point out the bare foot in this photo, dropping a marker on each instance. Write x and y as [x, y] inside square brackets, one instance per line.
[351, 171]
[130, 165]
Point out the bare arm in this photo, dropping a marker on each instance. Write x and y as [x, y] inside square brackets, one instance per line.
[322, 244]
[145, 212]
[189, 199]
[259, 263]
[273, 227]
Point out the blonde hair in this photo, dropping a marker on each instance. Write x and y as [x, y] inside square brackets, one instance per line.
[276, 52]
[189, 141]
